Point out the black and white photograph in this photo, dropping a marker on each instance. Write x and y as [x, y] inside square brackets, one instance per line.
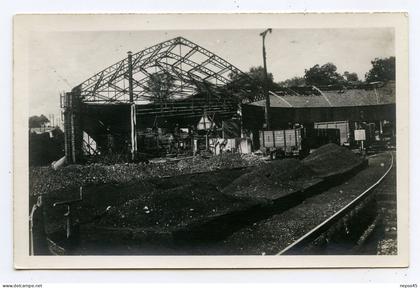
[265, 140]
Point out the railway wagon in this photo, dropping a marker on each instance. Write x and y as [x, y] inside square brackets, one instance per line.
[282, 143]
[343, 126]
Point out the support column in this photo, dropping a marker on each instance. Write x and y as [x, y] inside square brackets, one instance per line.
[73, 135]
[130, 76]
[73, 138]
[132, 107]
[67, 127]
[133, 131]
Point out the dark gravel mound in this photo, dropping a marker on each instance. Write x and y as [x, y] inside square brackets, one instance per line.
[278, 179]
[180, 192]
[97, 199]
[331, 159]
[175, 208]
[45, 180]
[128, 201]
[273, 180]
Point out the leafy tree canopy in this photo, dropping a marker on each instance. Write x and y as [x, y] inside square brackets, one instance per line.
[159, 85]
[351, 77]
[383, 69]
[252, 81]
[323, 75]
[293, 82]
[257, 75]
[37, 121]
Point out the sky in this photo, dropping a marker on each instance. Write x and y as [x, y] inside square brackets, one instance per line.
[59, 61]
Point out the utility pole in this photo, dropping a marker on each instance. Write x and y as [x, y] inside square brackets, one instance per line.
[130, 75]
[267, 96]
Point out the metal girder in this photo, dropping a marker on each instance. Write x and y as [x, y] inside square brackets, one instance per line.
[206, 52]
[110, 84]
[202, 68]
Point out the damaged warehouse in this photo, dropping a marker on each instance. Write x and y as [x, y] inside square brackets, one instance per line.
[168, 99]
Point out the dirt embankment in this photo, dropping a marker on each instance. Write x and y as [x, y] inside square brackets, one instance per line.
[331, 160]
[199, 205]
[275, 233]
[273, 180]
[279, 179]
[174, 203]
[156, 204]
[45, 180]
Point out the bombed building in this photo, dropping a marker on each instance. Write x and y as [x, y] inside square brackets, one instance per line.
[165, 99]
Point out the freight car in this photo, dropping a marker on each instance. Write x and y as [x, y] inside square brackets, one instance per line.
[296, 142]
[282, 143]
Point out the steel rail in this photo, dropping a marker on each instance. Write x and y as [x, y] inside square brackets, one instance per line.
[326, 224]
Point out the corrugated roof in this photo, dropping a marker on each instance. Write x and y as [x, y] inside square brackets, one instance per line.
[335, 98]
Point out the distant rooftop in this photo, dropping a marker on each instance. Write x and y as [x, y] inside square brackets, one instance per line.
[362, 95]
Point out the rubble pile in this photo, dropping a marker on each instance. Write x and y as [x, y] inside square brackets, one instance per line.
[331, 159]
[150, 200]
[43, 180]
[167, 209]
[170, 204]
[273, 180]
[277, 179]
[151, 206]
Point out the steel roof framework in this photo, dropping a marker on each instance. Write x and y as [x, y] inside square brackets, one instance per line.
[191, 67]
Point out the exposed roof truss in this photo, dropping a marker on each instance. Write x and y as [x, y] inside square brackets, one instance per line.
[190, 67]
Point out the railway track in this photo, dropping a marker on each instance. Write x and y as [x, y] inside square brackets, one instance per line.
[298, 246]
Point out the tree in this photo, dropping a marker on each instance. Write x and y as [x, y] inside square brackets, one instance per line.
[159, 86]
[383, 69]
[351, 77]
[293, 82]
[252, 82]
[323, 75]
[257, 75]
[37, 121]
